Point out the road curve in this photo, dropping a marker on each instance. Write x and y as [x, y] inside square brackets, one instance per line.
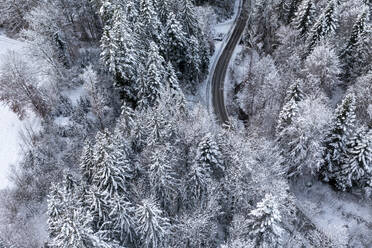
[220, 70]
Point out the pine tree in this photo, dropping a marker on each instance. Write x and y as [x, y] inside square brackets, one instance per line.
[150, 83]
[149, 26]
[264, 223]
[355, 53]
[324, 27]
[110, 175]
[304, 16]
[357, 160]
[163, 177]
[289, 111]
[336, 139]
[330, 18]
[152, 226]
[175, 40]
[208, 155]
[69, 224]
[120, 52]
[198, 180]
[56, 206]
[120, 224]
[87, 162]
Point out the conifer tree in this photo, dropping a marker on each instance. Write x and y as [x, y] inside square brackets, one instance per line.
[289, 111]
[330, 18]
[264, 223]
[56, 206]
[151, 82]
[208, 155]
[336, 139]
[325, 26]
[87, 162]
[355, 53]
[163, 177]
[152, 226]
[110, 176]
[304, 17]
[69, 224]
[149, 26]
[175, 40]
[198, 180]
[120, 223]
[357, 160]
[120, 52]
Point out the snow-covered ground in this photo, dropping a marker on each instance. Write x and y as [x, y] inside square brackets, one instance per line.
[346, 220]
[10, 125]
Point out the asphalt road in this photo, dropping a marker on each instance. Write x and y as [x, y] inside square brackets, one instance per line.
[219, 74]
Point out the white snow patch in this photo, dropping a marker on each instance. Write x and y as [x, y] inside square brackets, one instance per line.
[340, 216]
[10, 125]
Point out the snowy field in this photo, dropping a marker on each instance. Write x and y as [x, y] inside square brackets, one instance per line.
[346, 220]
[10, 125]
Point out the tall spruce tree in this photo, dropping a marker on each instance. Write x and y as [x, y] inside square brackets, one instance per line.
[209, 156]
[325, 26]
[120, 48]
[264, 223]
[152, 225]
[357, 160]
[355, 55]
[336, 139]
[151, 82]
[294, 95]
[304, 17]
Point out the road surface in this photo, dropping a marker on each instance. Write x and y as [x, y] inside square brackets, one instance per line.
[219, 74]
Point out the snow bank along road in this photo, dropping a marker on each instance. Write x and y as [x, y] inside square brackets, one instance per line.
[220, 70]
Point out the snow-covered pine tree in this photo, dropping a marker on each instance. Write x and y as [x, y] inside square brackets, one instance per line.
[324, 27]
[197, 183]
[120, 48]
[87, 162]
[357, 160]
[148, 25]
[264, 223]
[330, 19]
[164, 180]
[295, 92]
[110, 174]
[69, 223]
[56, 208]
[126, 120]
[286, 115]
[289, 111]
[175, 41]
[208, 156]
[304, 17]
[356, 53]
[188, 17]
[151, 83]
[120, 223]
[153, 227]
[198, 47]
[336, 139]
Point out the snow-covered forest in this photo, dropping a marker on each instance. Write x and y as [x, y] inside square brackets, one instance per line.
[111, 138]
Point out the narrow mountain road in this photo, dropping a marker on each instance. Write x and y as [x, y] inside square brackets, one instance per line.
[220, 70]
[312, 234]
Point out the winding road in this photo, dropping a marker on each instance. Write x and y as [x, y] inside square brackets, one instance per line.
[314, 236]
[220, 69]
